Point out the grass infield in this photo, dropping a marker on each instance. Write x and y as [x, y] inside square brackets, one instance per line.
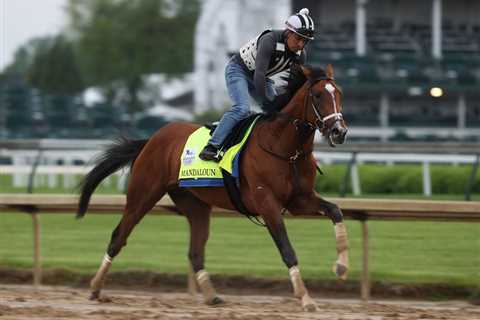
[407, 252]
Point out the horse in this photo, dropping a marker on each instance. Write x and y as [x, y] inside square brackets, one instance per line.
[277, 176]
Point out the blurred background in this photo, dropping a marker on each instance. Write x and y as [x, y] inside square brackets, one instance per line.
[410, 69]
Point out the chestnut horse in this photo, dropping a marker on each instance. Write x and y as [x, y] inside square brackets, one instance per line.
[277, 176]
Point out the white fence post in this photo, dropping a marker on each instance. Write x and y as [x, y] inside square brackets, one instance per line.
[355, 180]
[427, 182]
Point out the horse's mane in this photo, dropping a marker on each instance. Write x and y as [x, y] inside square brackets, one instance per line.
[295, 80]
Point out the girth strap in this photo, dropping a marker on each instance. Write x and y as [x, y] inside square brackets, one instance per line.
[235, 196]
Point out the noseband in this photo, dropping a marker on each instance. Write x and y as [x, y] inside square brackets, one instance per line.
[305, 128]
[320, 122]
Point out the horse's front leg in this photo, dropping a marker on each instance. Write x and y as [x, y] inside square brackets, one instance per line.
[312, 204]
[271, 209]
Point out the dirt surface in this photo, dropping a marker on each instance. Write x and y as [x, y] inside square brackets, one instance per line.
[56, 302]
[158, 282]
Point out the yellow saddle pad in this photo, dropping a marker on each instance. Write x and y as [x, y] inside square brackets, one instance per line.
[194, 172]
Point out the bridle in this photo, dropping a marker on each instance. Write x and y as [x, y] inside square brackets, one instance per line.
[320, 122]
[305, 128]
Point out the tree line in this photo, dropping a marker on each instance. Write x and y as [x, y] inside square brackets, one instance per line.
[111, 45]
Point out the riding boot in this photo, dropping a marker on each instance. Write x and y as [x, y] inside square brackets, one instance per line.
[210, 153]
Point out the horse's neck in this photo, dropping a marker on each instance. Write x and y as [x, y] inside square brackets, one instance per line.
[295, 107]
[283, 130]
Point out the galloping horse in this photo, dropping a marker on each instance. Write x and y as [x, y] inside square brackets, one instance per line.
[277, 176]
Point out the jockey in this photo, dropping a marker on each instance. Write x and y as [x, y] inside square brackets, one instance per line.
[248, 71]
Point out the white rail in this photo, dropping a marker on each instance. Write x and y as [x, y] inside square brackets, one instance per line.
[48, 174]
[390, 159]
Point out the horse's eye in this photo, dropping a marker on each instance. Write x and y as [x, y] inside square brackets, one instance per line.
[316, 94]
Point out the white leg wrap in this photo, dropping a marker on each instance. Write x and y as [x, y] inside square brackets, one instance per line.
[203, 280]
[107, 260]
[202, 276]
[342, 243]
[97, 281]
[343, 258]
[298, 286]
[294, 272]
[341, 236]
[340, 268]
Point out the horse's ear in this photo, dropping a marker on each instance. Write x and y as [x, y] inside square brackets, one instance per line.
[329, 71]
[307, 71]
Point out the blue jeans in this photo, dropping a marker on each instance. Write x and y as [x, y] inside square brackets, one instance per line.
[240, 87]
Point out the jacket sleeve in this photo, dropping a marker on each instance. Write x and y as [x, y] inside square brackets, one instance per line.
[265, 50]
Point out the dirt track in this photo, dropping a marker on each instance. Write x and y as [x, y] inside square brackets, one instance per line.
[24, 302]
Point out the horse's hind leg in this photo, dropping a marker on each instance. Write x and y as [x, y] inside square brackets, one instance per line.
[139, 202]
[198, 215]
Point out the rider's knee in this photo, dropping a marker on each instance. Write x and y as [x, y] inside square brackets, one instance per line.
[241, 110]
[244, 113]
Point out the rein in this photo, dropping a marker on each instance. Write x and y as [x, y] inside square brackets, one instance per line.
[303, 128]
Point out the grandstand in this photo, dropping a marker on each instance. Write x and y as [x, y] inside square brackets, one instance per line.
[388, 55]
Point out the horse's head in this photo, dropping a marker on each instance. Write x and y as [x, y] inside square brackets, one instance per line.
[323, 105]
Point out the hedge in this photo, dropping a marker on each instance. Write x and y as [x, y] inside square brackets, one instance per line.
[398, 179]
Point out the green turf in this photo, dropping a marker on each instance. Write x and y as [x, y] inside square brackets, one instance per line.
[399, 251]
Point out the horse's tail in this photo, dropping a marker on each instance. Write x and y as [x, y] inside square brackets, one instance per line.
[115, 157]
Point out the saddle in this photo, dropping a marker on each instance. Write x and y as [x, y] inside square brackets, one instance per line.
[237, 133]
[195, 172]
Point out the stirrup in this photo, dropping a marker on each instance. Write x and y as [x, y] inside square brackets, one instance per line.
[210, 153]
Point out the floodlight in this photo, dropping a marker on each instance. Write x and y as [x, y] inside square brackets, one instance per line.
[436, 92]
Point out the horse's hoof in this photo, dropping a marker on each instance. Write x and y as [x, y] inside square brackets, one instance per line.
[95, 295]
[340, 270]
[215, 301]
[308, 304]
[310, 308]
